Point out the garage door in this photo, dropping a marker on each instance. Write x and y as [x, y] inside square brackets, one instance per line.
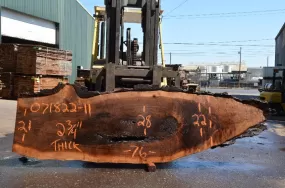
[22, 26]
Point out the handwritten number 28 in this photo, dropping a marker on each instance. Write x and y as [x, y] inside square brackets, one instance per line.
[145, 122]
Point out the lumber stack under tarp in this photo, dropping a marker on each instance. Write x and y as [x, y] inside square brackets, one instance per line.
[142, 127]
[37, 67]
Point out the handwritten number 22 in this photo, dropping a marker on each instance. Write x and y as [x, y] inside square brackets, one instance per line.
[197, 122]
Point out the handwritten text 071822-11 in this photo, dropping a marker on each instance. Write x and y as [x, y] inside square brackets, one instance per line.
[45, 108]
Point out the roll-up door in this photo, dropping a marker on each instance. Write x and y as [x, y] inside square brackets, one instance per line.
[23, 26]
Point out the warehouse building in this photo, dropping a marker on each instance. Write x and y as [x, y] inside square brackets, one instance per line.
[280, 47]
[63, 24]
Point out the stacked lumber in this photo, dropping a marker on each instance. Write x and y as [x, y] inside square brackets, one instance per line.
[8, 58]
[35, 60]
[31, 84]
[6, 79]
[44, 62]
[29, 68]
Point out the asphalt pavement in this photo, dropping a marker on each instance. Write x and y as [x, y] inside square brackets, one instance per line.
[251, 162]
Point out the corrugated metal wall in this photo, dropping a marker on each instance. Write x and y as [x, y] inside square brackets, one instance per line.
[76, 25]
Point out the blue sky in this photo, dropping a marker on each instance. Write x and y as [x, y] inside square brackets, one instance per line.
[217, 28]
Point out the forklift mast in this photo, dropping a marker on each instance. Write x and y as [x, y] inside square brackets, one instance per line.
[282, 83]
[121, 65]
[115, 32]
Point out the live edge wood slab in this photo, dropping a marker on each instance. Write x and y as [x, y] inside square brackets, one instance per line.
[142, 127]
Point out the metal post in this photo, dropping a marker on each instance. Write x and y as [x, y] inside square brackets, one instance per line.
[96, 38]
[239, 77]
[274, 78]
[129, 52]
[220, 79]
[0, 29]
[102, 46]
[207, 77]
[146, 23]
[267, 60]
[170, 58]
[161, 44]
[283, 83]
[113, 33]
[164, 83]
[122, 36]
[157, 5]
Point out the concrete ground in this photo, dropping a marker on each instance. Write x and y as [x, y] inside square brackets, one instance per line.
[235, 91]
[7, 116]
[251, 162]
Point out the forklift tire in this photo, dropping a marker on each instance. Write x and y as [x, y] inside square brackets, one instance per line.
[277, 109]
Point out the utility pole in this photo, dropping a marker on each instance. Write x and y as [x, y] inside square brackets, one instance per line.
[170, 58]
[239, 77]
[207, 78]
[267, 60]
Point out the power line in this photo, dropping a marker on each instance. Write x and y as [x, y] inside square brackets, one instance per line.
[228, 52]
[243, 41]
[228, 13]
[216, 44]
[208, 53]
[176, 7]
[180, 18]
[215, 49]
[232, 41]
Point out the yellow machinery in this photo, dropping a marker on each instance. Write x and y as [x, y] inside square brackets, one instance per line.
[112, 67]
[274, 93]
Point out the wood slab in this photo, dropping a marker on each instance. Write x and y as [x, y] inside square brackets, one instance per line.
[140, 127]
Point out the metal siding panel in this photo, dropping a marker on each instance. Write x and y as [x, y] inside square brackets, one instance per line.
[77, 20]
[89, 36]
[73, 16]
[61, 5]
[47, 9]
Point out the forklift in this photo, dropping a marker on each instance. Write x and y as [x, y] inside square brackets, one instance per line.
[274, 93]
[121, 64]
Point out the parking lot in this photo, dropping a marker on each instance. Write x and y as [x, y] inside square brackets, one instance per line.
[251, 162]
